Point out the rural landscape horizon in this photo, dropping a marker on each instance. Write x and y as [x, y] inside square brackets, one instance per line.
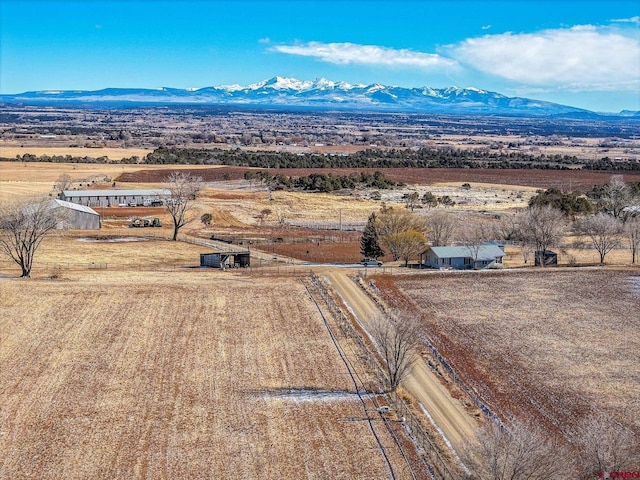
[280, 240]
[287, 93]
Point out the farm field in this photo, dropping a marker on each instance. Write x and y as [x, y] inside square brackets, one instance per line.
[11, 150]
[564, 179]
[316, 227]
[547, 346]
[121, 358]
[38, 178]
[125, 252]
[191, 374]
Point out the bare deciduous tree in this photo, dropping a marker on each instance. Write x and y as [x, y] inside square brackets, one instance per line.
[615, 197]
[527, 251]
[632, 229]
[390, 222]
[442, 228]
[542, 227]
[603, 230]
[606, 447]
[281, 217]
[406, 245]
[396, 339]
[473, 237]
[515, 453]
[23, 226]
[183, 188]
[507, 228]
[63, 183]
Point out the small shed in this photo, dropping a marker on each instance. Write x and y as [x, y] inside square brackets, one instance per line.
[462, 257]
[547, 257]
[76, 217]
[226, 259]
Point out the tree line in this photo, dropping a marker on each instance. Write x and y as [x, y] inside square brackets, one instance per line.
[426, 157]
[322, 182]
[612, 197]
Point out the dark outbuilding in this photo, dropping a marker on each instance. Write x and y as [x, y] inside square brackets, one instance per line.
[226, 259]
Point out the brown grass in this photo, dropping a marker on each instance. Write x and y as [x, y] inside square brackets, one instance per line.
[97, 250]
[112, 153]
[175, 375]
[34, 178]
[547, 346]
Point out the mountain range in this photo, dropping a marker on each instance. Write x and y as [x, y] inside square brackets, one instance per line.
[280, 92]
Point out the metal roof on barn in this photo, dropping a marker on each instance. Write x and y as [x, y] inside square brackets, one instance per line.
[111, 193]
[74, 206]
[485, 252]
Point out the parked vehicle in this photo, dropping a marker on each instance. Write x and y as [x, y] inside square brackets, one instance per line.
[370, 262]
[147, 202]
[138, 222]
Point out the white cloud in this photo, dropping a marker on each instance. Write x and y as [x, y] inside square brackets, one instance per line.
[485, 27]
[579, 59]
[635, 20]
[351, 53]
[264, 40]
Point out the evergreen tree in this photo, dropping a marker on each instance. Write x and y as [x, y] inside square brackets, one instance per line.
[369, 245]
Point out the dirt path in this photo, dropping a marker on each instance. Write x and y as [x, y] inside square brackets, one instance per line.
[446, 412]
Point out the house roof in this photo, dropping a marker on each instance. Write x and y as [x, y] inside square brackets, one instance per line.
[485, 252]
[111, 193]
[73, 206]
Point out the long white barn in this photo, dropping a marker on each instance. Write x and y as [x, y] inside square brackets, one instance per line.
[114, 198]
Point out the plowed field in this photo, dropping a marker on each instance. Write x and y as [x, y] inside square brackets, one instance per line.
[195, 374]
[563, 179]
[548, 346]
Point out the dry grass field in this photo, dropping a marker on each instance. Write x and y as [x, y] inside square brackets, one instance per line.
[117, 360]
[550, 346]
[7, 150]
[38, 178]
[185, 374]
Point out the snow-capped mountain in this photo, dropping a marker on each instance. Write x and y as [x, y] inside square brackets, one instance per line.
[280, 92]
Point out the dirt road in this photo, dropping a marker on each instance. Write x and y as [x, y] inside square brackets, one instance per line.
[446, 412]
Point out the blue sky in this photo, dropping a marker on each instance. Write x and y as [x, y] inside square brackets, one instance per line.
[584, 53]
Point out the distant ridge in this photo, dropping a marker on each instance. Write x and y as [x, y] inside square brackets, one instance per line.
[280, 92]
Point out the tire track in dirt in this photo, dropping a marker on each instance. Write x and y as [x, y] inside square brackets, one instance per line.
[447, 412]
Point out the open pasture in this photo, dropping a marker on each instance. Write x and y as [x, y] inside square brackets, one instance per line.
[548, 346]
[19, 179]
[568, 180]
[191, 374]
[11, 150]
[62, 252]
